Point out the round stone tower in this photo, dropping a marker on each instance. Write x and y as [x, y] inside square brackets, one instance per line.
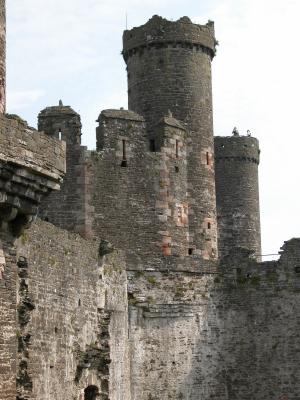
[169, 70]
[237, 159]
[2, 57]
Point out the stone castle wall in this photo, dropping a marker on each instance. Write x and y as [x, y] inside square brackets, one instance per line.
[2, 57]
[31, 165]
[162, 319]
[170, 71]
[72, 317]
[225, 333]
[139, 198]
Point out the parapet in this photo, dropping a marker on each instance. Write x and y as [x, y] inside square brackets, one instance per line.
[57, 111]
[26, 147]
[238, 148]
[159, 31]
[120, 114]
[171, 121]
[116, 125]
[31, 165]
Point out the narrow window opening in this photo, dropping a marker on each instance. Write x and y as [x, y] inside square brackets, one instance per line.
[176, 169]
[152, 145]
[207, 158]
[177, 148]
[55, 330]
[59, 134]
[208, 225]
[124, 156]
[190, 251]
[79, 303]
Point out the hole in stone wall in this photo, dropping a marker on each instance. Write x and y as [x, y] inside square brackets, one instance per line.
[176, 169]
[79, 303]
[207, 158]
[190, 251]
[208, 225]
[55, 330]
[177, 148]
[152, 145]
[91, 393]
[59, 134]
[297, 270]
[130, 296]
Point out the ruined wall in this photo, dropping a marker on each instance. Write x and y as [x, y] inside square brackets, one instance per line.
[2, 57]
[72, 314]
[169, 68]
[31, 165]
[237, 159]
[227, 333]
[8, 317]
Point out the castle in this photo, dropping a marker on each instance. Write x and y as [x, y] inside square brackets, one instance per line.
[133, 272]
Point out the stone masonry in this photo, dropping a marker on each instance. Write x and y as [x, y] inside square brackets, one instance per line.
[142, 279]
[31, 165]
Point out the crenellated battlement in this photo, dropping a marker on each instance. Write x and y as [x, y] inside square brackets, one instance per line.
[184, 309]
[236, 148]
[159, 32]
[240, 268]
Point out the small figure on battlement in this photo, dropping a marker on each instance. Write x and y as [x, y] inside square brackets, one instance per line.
[235, 132]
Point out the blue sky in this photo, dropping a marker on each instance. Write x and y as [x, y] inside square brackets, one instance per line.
[70, 50]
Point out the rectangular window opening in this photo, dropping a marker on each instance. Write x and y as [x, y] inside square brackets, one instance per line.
[152, 145]
[208, 225]
[190, 251]
[177, 148]
[124, 157]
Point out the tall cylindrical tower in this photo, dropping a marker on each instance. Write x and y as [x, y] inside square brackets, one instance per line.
[2, 57]
[237, 159]
[169, 69]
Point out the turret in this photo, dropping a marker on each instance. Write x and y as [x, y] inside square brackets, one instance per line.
[67, 208]
[169, 68]
[61, 122]
[237, 159]
[2, 57]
